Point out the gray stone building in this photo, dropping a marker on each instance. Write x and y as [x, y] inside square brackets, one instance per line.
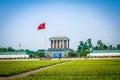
[59, 47]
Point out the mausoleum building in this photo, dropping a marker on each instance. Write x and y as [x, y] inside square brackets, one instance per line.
[59, 47]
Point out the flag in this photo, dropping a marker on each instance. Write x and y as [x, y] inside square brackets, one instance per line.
[41, 26]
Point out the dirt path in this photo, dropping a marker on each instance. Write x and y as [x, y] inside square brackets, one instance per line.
[29, 73]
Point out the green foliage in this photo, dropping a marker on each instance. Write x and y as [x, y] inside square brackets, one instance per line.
[110, 47]
[84, 48]
[80, 70]
[101, 45]
[118, 46]
[41, 50]
[32, 55]
[89, 43]
[72, 54]
[40, 54]
[84, 52]
[15, 67]
[10, 49]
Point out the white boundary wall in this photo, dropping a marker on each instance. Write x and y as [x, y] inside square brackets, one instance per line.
[14, 56]
[103, 54]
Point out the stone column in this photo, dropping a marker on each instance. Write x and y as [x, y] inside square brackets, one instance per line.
[68, 43]
[56, 43]
[60, 44]
[63, 44]
[51, 43]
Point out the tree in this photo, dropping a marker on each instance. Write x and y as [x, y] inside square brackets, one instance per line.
[32, 55]
[110, 47]
[84, 53]
[101, 45]
[10, 49]
[72, 54]
[89, 43]
[40, 54]
[27, 51]
[118, 46]
[105, 47]
[84, 48]
[90, 46]
[3, 49]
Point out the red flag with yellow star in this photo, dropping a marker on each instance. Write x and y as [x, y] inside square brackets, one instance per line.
[41, 26]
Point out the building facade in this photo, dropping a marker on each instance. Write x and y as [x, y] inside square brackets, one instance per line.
[104, 53]
[59, 42]
[59, 47]
[13, 55]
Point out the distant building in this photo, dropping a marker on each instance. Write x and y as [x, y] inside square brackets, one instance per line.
[59, 47]
[104, 53]
[13, 55]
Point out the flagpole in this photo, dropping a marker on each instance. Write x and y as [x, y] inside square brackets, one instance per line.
[43, 26]
[45, 39]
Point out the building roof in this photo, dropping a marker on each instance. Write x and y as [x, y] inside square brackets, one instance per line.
[58, 49]
[59, 38]
[12, 53]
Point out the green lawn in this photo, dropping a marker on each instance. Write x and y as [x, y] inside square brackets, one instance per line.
[81, 70]
[8, 68]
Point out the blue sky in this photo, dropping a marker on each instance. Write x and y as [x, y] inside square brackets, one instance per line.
[76, 19]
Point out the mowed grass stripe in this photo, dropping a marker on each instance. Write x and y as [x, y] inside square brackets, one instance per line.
[81, 70]
[8, 68]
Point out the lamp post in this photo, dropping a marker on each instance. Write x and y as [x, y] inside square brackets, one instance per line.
[108, 50]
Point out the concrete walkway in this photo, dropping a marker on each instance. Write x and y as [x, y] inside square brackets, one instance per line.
[29, 73]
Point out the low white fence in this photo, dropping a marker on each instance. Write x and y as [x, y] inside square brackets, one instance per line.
[14, 56]
[104, 55]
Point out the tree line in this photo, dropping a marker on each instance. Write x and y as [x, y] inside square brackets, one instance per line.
[84, 48]
[33, 54]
